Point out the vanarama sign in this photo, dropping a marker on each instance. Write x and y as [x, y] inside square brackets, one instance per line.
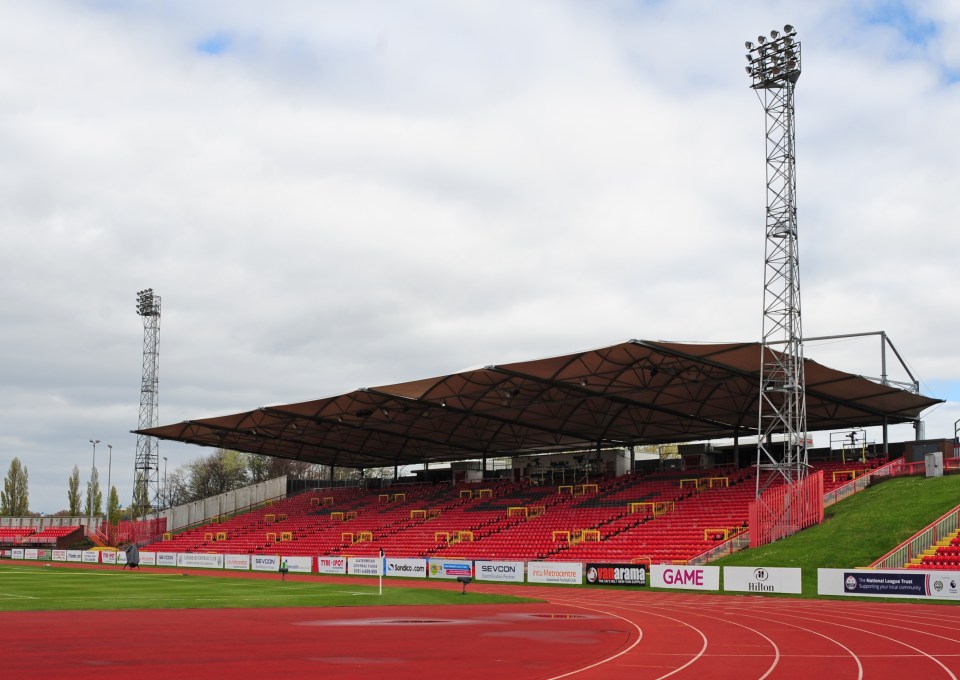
[616, 574]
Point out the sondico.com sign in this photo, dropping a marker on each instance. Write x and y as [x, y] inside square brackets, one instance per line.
[408, 568]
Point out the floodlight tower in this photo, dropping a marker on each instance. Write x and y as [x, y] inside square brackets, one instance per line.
[774, 68]
[146, 495]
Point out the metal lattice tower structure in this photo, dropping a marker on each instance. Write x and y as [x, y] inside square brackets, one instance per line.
[146, 495]
[774, 68]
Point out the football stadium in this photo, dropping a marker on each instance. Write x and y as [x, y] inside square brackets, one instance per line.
[645, 575]
[643, 510]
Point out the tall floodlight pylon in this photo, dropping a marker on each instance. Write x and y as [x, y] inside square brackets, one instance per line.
[774, 68]
[146, 492]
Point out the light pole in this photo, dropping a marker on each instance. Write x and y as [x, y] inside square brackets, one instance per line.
[147, 462]
[774, 69]
[93, 471]
[165, 497]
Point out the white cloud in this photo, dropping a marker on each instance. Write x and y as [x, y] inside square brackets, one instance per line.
[349, 194]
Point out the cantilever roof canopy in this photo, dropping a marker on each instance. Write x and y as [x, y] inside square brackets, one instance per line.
[636, 392]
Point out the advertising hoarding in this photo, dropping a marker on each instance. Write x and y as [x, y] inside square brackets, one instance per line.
[762, 579]
[555, 572]
[443, 568]
[616, 574]
[506, 572]
[685, 577]
[331, 565]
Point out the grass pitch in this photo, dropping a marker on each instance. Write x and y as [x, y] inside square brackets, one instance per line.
[36, 587]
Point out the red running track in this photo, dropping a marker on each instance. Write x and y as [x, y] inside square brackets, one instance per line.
[578, 633]
[711, 636]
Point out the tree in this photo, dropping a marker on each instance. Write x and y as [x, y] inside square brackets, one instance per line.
[177, 491]
[113, 506]
[258, 467]
[73, 493]
[223, 471]
[226, 470]
[94, 505]
[97, 494]
[14, 499]
[261, 468]
[141, 499]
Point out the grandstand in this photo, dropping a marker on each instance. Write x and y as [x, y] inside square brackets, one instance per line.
[579, 406]
[50, 536]
[943, 556]
[662, 517]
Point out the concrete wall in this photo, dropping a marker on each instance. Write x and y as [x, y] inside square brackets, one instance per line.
[40, 523]
[225, 503]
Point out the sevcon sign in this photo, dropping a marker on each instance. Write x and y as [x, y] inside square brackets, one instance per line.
[509, 572]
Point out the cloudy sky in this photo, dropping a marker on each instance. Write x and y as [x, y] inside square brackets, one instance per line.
[330, 195]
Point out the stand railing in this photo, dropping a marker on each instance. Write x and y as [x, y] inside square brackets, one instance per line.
[857, 485]
[923, 540]
[728, 547]
[920, 468]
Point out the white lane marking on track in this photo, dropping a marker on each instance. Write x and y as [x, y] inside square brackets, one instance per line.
[769, 606]
[898, 627]
[885, 637]
[849, 651]
[696, 657]
[699, 610]
[766, 674]
[609, 658]
[900, 642]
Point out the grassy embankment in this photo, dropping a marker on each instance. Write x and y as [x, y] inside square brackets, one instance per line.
[860, 529]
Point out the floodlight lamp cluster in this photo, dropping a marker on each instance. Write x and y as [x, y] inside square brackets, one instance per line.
[775, 60]
[147, 303]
